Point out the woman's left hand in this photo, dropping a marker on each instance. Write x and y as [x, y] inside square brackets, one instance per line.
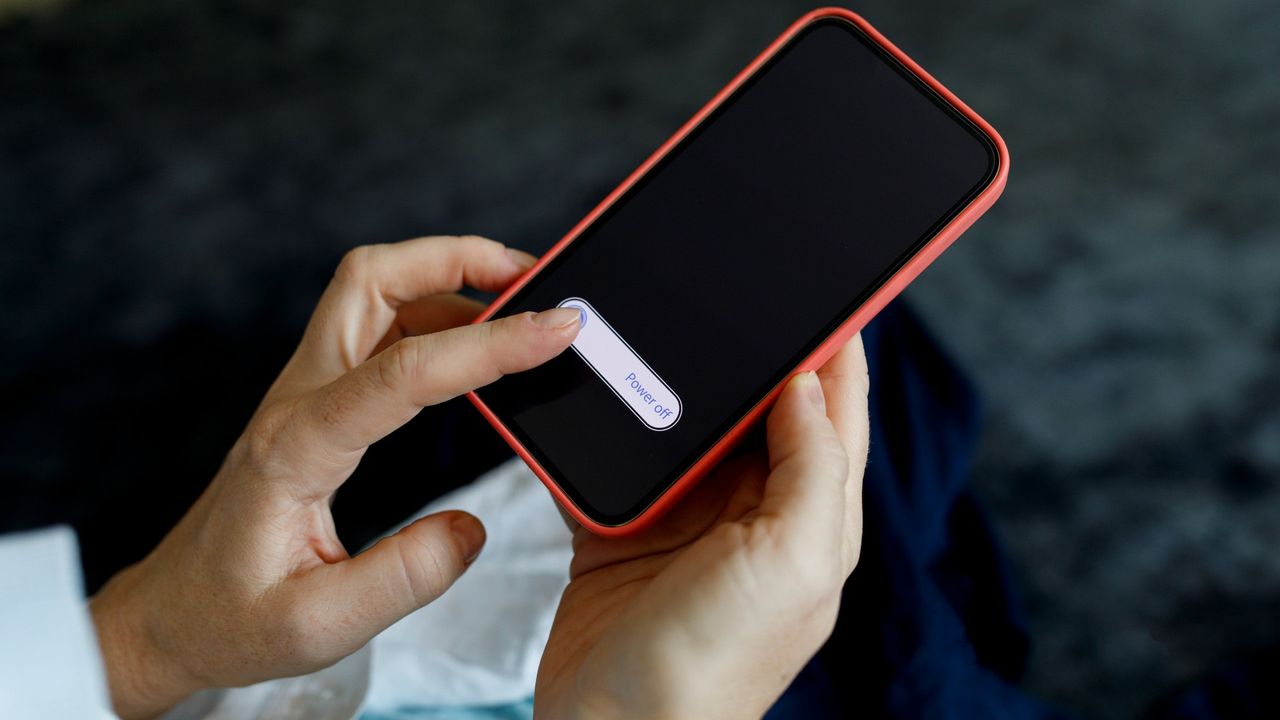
[711, 612]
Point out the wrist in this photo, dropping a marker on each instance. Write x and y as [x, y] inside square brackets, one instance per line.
[142, 681]
[666, 689]
[627, 695]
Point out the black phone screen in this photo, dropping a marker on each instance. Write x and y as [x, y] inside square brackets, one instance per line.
[712, 277]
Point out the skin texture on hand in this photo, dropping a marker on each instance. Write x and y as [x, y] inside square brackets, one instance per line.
[253, 582]
[713, 611]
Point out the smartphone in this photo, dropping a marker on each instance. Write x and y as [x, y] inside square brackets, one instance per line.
[750, 246]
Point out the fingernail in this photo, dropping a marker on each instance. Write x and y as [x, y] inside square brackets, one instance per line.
[521, 259]
[558, 318]
[812, 388]
[470, 533]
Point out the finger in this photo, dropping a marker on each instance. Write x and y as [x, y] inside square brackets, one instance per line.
[374, 281]
[358, 598]
[383, 393]
[805, 491]
[845, 385]
[428, 315]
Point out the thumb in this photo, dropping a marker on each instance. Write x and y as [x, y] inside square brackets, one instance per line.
[361, 597]
[809, 464]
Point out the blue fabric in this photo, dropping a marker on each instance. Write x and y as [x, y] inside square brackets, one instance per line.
[522, 710]
[1237, 688]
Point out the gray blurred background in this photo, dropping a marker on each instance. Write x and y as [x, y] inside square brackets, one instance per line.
[177, 180]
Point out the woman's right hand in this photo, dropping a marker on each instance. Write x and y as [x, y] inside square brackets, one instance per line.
[253, 582]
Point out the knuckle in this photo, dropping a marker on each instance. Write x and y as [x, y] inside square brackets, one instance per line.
[816, 575]
[814, 580]
[479, 243]
[853, 552]
[471, 250]
[820, 584]
[812, 575]
[426, 568]
[400, 364]
[819, 578]
[264, 436]
[824, 616]
[355, 265]
[299, 634]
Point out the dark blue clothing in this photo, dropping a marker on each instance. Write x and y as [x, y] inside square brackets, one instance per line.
[930, 626]
[1240, 687]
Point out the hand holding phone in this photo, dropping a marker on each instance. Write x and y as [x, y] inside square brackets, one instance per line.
[713, 613]
[754, 243]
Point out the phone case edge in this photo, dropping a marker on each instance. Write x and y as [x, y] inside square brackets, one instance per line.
[887, 292]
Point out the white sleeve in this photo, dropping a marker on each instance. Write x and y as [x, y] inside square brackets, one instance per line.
[50, 666]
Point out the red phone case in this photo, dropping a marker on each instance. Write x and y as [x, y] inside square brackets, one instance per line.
[819, 356]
